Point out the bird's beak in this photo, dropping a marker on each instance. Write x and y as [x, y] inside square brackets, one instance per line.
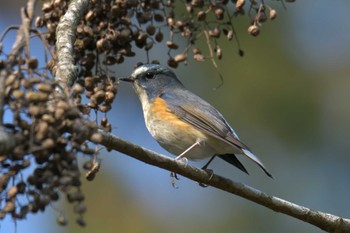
[128, 79]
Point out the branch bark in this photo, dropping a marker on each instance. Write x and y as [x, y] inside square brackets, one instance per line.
[66, 29]
[324, 221]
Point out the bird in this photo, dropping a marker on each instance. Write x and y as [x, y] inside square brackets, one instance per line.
[184, 124]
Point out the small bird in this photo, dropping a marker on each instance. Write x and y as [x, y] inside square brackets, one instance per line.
[183, 123]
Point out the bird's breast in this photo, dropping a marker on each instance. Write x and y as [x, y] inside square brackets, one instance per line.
[169, 130]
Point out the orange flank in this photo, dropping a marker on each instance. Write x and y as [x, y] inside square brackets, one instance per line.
[160, 111]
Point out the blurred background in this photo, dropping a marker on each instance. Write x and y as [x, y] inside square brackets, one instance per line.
[287, 98]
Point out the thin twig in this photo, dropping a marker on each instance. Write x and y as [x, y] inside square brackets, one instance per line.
[22, 38]
[3, 75]
[212, 59]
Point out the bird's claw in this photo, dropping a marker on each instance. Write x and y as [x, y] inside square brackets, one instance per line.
[173, 177]
[209, 171]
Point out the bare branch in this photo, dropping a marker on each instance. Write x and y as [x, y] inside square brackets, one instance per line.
[66, 29]
[22, 38]
[326, 222]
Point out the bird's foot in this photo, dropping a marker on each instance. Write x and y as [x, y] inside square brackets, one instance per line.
[173, 177]
[209, 172]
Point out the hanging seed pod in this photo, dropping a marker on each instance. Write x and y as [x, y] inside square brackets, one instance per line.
[215, 33]
[61, 220]
[48, 143]
[36, 97]
[158, 18]
[230, 35]
[151, 29]
[90, 15]
[262, 17]
[218, 52]
[81, 222]
[32, 63]
[12, 192]
[149, 46]
[98, 97]
[219, 13]
[109, 96]
[89, 83]
[240, 4]
[80, 208]
[172, 63]
[172, 45]
[159, 36]
[47, 7]
[272, 14]
[78, 89]
[180, 58]
[105, 107]
[39, 22]
[253, 30]
[45, 87]
[198, 57]
[201, 16]
[17, 94]
[9, 207]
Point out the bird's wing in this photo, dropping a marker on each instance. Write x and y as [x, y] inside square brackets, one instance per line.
[206, 118]
[203, 116]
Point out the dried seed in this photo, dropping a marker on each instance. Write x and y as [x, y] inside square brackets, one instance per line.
[45, 87]
[80, 208]
[240, 4]
[151, 29]
[12, 192]
[180, 58]
[32, 63]
[61, 220]
[172, 63]
[9, 206]
[159, 36]
[17, 94]
[201, 16]
[48, 143]
[172, 45]
[272, 14]
[78, 89]
[36, 96]
[253, 30]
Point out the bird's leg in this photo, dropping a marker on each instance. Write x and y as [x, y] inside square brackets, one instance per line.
[205, 168]
[183, 159]
[207, 164]
[197, 143]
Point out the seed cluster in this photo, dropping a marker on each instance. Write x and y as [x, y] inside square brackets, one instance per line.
[49, 132]
[51, 129]
[114, 28]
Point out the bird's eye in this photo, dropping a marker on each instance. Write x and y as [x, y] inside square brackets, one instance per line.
[149, 75]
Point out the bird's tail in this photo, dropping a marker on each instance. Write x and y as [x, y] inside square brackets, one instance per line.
[255, 159]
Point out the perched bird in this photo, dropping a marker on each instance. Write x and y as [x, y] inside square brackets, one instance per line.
[183, 123]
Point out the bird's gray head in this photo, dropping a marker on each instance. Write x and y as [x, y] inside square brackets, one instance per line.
[152, 80]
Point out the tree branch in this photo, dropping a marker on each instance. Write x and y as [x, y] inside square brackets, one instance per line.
[66, 29]
[326, 222]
